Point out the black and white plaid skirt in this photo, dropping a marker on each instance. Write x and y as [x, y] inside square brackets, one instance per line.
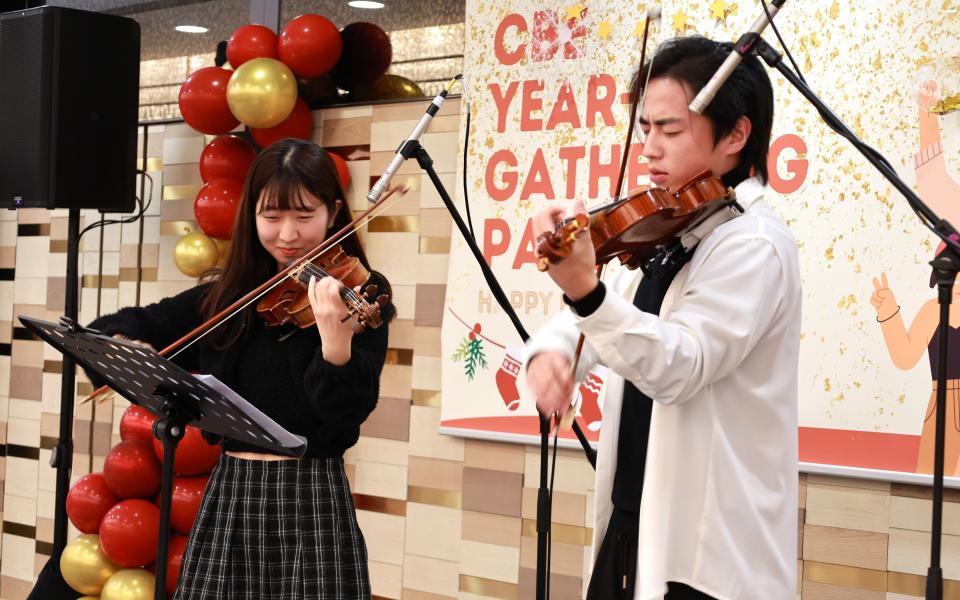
[275, 529]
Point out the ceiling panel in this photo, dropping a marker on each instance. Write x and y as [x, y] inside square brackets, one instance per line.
[158, 19]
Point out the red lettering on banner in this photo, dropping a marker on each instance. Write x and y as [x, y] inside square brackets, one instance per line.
[549, 31]
[796, 167]
[572, 154]
[509, 177]
[578, 34]
[538, 179]
[610, 170]
[502, 102]
[529, 103]
[495, 247]
[601, 105]
[545, 35]
[564, 109]
[507, 57]
[525, 253]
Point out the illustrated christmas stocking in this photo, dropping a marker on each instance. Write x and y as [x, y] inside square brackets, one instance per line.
[589, 405]
[507, 381]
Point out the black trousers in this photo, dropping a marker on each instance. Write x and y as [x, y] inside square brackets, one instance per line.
[615, 572]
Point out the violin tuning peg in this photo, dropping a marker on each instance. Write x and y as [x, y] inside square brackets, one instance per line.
[369, 291]
[383, 300]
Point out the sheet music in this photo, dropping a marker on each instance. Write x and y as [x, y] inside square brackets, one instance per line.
[281, 434]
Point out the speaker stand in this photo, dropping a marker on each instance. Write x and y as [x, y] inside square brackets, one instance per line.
[50, 583]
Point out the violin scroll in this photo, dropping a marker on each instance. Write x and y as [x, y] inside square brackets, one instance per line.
[367, 307]
[554, 246]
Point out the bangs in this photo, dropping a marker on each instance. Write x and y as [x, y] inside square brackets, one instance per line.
[284, 191]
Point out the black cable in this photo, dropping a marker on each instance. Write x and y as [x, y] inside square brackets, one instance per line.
[143, 209]
[780, 39]
[466, 197]
[827, 118]
[834, 123]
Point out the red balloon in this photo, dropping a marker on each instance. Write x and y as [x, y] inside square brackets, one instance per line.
[194, 455]
[227, 156]
[310, 45]
[342, 169]
[129, 532]
[203, 101]
[175, 550]
[298, 125]
[131, 470]
[88, 500]
[185, 501]
[216, 207]
[137, 424]
[249, 42]
[366, 56]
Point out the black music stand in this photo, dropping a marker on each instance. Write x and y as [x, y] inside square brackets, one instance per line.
[147, 379]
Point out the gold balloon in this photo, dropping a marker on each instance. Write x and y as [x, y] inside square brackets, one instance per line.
[84, 566]
[129, 584]
[195, 253]
[386, 87]
[262, 92]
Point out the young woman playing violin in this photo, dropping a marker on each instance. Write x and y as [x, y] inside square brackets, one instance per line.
[696, 491]
[270, 526]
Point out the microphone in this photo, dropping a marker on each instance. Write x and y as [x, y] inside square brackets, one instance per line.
[742, 48]
[405, 150]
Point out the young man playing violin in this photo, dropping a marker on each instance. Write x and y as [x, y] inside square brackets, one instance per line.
[696, 488]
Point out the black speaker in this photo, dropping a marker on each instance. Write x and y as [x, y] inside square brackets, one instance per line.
[69, 91]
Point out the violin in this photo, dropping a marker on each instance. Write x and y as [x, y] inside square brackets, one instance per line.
[317, 263]
[632, 228]
[288, 302]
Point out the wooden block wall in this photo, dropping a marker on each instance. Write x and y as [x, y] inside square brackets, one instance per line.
[443, 517]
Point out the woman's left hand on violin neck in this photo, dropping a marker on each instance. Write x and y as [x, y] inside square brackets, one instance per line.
[329, 311]
[576, 275]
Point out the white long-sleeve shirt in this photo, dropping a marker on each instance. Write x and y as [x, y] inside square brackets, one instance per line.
[719, 510]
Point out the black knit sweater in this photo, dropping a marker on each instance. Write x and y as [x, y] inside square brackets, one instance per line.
[288, 380]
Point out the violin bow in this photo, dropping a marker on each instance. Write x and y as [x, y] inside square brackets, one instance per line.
[104, 392]
[565, 421]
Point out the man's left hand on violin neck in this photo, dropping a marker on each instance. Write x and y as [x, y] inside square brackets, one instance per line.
[575, 275]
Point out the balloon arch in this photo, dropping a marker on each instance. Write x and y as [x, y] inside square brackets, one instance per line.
[274, 83]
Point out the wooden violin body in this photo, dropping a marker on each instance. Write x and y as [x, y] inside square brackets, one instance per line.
[632, 228]
[288, 301]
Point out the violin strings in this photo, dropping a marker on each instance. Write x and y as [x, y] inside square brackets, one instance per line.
[380, 207]
[320, 273]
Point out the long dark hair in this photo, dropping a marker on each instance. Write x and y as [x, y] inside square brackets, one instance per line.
[692, 61]
[281, 173]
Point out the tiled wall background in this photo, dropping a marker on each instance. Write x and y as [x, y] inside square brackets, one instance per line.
[443, 517]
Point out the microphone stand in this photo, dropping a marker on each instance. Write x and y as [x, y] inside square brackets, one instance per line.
[945, 268]
[411, 148]
[544, 500]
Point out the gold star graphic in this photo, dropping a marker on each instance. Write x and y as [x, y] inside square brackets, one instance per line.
[575, 11]
[680, 21]
[639, 29]
[718, 10]
[603, 29]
